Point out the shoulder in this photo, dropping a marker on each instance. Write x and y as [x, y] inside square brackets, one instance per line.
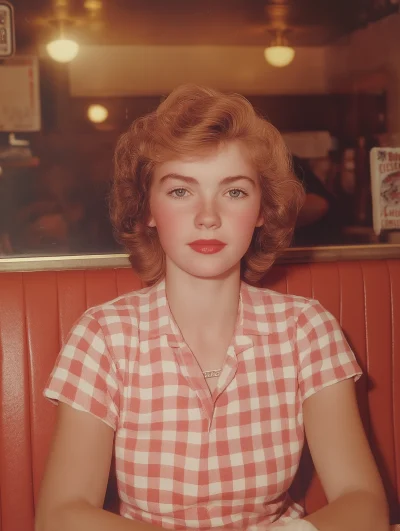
[119, 317]
[274, 302]
[271, 311]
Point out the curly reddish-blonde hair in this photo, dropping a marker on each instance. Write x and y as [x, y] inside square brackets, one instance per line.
[193, 120]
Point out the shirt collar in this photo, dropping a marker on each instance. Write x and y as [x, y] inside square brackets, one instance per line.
[252, 314]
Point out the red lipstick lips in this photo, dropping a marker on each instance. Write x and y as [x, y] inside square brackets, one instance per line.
[207, 246]
[207, 242]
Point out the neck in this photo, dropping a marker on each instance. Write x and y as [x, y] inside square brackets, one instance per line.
[205, 305]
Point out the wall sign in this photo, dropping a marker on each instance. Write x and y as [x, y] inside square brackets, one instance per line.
[7, 30]
[385, 187]
[20, 95]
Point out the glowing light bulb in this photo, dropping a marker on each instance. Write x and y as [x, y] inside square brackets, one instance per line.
[63, 50]
[97, 113]
[279, 56]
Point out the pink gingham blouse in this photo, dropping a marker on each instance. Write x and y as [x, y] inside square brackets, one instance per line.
[186, 458]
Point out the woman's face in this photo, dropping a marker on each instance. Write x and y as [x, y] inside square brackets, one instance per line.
[213, 197]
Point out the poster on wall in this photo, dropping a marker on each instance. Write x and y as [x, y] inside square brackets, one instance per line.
[20, 95]
[385, 186]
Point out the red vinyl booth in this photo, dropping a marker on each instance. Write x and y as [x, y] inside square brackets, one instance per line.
[37, 310]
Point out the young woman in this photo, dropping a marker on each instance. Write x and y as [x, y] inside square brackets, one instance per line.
[201, 383]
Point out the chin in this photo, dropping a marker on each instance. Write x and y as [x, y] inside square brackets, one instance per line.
[203, 266]
[215, 272]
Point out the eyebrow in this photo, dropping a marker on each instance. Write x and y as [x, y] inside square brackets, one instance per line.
[192, 180]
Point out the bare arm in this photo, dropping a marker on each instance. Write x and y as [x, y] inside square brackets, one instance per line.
[344, 463]
[75, 481]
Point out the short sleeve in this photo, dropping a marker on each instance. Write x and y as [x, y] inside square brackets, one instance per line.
[324, 355]
[85, 376]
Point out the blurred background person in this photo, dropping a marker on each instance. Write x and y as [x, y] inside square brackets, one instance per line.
[319, 219]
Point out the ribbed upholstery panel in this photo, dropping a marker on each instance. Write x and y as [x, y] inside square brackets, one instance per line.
[38, 309]
[394, 271]
[17, 504]
[42, 323]
[379, 327]
[71, 297]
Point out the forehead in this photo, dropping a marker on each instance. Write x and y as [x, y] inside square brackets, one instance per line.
[226, 160]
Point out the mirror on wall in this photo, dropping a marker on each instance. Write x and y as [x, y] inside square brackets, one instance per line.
[83, 71]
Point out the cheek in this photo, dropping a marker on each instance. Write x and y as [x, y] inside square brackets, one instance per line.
[246, 220]
[167, 219]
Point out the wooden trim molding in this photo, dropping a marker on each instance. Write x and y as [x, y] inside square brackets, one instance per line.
[293, 255]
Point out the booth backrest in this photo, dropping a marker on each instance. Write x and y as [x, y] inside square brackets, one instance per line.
[37, 309]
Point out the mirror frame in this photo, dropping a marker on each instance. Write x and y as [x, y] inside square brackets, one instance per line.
[292, 255]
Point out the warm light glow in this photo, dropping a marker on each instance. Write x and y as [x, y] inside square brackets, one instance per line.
[279, 55]
[97, 113]
[62, 50]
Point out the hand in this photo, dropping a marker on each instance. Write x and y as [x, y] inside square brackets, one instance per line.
[296, 525]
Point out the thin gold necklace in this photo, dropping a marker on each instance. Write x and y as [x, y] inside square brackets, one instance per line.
[212, 374]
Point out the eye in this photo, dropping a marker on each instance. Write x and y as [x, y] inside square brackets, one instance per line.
[236, 193]
[178, 193]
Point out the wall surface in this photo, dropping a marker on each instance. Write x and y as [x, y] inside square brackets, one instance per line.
[372, 49]
[118, 71]
[155, 70]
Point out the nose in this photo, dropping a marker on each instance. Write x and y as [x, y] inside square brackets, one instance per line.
[207, 215]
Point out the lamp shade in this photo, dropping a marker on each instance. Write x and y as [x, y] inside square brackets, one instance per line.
[279, 56]
[62, 50]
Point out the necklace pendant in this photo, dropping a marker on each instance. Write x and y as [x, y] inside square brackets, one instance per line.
[212, 374]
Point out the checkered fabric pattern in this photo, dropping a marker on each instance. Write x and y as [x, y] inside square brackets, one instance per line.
[186, 457]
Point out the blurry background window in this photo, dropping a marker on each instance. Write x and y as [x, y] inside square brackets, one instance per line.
[335, 99]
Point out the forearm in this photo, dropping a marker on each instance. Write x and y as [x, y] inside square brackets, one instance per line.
[355, 511]
[81, 516]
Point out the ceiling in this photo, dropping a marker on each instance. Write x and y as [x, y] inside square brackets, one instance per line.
[201, 22]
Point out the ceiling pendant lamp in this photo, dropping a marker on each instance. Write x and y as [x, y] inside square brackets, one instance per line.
[62, 49]
[279, 53]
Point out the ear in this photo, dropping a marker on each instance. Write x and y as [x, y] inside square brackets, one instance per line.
[151, 222]
[260, 221]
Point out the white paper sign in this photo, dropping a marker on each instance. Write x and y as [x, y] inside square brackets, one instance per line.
[309, 144]
[19, 95]
[385, 186]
